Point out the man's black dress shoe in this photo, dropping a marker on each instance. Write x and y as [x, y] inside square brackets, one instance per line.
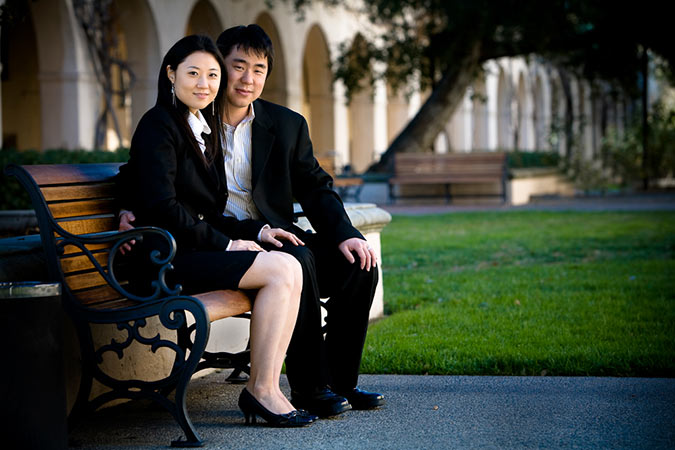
[322, 402]
[362, 399]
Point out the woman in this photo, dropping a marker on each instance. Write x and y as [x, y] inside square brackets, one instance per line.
[175, 179]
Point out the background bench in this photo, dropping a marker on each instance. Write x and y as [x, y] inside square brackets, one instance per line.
[448, 169]
[77, 217]
[346, 186]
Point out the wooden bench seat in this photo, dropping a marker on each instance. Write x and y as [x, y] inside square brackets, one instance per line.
[448, 169]
[77, 216]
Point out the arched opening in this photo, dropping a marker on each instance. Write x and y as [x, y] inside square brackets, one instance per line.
[275, 87]
[20, 85]
[317, 92]
[204, 20]
[65, 108]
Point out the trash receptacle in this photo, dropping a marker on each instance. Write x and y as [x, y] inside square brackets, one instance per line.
[32, 389]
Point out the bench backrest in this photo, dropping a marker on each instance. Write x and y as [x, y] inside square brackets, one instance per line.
[456, 165]
[76, 199]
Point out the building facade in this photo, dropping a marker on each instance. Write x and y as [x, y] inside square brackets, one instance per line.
[51, 96]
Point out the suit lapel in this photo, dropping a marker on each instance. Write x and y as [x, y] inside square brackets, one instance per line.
[261, 142]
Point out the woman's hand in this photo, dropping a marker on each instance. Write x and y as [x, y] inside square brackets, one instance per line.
[243, 245]
[272, 236]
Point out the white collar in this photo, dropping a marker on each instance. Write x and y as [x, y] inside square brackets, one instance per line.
[198, 124]
[249, 117]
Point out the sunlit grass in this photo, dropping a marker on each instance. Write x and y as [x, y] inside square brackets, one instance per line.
[524, 293]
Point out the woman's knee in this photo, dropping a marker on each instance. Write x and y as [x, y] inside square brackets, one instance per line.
[283, 269]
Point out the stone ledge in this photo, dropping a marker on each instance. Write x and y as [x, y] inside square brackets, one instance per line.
[366, 217]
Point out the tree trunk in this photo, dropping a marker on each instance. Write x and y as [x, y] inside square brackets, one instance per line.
[421, 131]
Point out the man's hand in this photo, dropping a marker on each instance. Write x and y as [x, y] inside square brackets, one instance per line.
[126, 218]
[272, 236]
[362, 249]
[243, 245]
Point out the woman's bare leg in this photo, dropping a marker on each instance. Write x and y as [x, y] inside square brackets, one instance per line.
[274, 277]
[291, 318]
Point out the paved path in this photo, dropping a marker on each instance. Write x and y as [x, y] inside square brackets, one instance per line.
[423, 412]
[636, 202]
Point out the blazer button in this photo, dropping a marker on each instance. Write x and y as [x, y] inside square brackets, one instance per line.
[200, 216]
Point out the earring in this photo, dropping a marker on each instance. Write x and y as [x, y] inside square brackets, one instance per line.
[173, 94]
[213, 108]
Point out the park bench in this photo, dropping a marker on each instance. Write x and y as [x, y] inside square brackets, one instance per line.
[346, 185]
[448, 169]
[77, 216]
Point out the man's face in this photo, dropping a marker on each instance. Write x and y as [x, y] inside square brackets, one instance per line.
[246, 74]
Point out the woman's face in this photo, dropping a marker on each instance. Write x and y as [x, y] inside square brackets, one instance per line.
[196, 80]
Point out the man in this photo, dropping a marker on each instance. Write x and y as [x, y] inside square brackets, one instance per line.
[269, 163]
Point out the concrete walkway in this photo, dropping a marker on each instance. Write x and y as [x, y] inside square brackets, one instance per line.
[422, 412]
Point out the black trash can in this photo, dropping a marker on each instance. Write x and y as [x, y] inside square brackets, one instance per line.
[32, 389]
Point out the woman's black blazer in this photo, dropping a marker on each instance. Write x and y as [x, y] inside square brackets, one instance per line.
[166, 183]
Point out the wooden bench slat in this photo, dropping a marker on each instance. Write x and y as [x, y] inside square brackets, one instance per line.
[71, 249]
[71, 173]
[93, 225]
[82, 208]
[431, 179]
[85, 280]
[113, 304]
[224, 303]
[96, 295]
[79, 192]
[82, 262]
[343, 182]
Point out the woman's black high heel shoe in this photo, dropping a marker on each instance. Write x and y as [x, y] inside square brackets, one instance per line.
[251, 408]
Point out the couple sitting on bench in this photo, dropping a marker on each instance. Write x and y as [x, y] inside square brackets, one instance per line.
[219, 169]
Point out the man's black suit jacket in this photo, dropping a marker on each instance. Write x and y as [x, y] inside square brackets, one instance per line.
[284, 169]
[166, 183]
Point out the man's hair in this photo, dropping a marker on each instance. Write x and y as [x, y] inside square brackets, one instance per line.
[250, 38]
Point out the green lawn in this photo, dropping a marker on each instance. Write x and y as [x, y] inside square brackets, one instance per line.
[527, 293]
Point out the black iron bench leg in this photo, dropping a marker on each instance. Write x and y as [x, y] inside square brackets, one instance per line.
[180, 414]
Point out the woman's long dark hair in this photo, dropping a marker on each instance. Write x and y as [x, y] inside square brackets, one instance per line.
[176, 55]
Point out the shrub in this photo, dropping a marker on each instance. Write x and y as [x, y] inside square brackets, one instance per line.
[623, 153]
[519, 159]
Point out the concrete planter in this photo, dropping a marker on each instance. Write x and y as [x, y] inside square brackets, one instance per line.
[527, 183]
